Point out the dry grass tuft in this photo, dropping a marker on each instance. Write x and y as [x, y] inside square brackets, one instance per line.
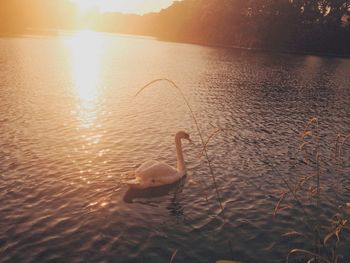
[308, 190]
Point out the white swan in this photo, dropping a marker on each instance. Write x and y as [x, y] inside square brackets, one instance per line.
[153, 173]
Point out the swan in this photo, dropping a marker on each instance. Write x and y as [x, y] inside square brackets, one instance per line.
[154, 174]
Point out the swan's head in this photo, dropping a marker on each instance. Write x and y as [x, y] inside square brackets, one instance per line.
[183, 135]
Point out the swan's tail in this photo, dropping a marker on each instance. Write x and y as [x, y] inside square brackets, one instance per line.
[135, 184]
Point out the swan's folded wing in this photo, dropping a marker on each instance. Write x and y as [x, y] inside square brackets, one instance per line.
[164, 170]
[145, 166]
[153, 174]
[158, 170]
[168, 179]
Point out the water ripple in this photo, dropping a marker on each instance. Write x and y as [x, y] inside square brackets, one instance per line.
[65, 154]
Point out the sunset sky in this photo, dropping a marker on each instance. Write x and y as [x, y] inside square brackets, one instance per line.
[125, 6]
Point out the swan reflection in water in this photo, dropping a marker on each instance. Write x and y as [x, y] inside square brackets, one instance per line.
[147, 196]
[175, 207]
[154, 192]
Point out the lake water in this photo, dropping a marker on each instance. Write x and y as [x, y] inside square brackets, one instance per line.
[72, 132]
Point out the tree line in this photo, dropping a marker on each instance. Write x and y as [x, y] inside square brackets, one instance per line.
[292, 25]
[16, 16]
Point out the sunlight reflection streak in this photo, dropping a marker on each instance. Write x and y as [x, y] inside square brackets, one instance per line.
[86, 49]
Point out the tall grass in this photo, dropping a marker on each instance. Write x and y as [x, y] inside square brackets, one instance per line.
[308, 189]
[299, 192]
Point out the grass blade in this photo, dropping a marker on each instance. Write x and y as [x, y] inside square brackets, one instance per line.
[173, 84]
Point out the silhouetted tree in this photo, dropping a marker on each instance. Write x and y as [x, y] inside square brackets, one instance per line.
[298, 25]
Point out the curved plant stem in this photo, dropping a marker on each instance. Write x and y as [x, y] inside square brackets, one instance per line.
[197, 127]
[307, 253]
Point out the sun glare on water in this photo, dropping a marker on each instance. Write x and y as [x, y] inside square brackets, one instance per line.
[86, 52]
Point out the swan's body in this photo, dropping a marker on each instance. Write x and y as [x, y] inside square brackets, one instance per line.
[153, 173]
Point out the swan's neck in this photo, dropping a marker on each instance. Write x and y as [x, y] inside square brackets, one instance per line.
[180, 157]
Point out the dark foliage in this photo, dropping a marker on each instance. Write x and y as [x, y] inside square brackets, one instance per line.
[318, 26]
[293, 25]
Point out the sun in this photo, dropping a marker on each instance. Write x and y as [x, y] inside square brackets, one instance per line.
[124, 6]
[103, 5]
[85, 5]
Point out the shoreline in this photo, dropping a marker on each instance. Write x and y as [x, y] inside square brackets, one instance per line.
[56, 32]
[270, 50]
